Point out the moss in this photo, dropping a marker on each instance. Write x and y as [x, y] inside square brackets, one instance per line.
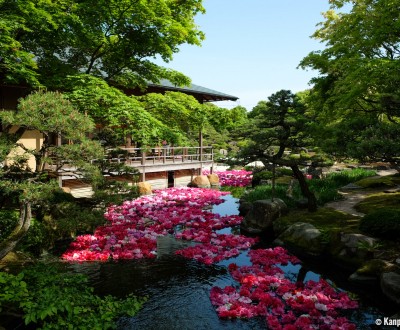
[379, 201]
[375, 182]
[375, 267]
[325, 219]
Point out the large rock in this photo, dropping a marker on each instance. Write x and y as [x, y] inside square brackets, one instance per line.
[144, 188]
[201, 181]
[244, 207]
[262, 214]
[371, 271]
[352, 249]
[305, 237]
[357, 245]
[214, 180]
[390, 285]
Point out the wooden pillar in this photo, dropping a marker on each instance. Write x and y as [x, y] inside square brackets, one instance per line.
[143, 157]
[58, 143]
[128, 140]
[201, 145]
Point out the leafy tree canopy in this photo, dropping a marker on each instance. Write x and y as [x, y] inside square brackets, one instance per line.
[110, 107]
[44, 41]
[356, 96]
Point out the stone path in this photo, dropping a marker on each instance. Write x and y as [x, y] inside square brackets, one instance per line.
[354, 196]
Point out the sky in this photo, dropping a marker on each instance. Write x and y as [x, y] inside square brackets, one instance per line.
[252, 48]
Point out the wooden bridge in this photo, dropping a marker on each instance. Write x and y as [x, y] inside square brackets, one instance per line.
[160, 166]
[148, 160]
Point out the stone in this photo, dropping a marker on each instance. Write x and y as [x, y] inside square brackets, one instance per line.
[390, 285]
[363, 279]
[214, 180]
[355, 247]
[201, 181]
[262, 214]
[244, 207]
[66, 190]
[144, 188]
[375, 267]
[370, 272]
[303, 236]
[351, 186]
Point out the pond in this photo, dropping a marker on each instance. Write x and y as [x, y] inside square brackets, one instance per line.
[178, 289]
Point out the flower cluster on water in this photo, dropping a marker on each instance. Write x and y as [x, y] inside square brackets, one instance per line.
[135, 225]
[264, 291]
[262, 288]
[234, 178]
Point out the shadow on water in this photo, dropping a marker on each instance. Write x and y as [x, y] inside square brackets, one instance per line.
[178, 289]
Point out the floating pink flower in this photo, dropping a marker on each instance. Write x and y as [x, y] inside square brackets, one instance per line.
[234, 178]
[134, 226]
[264, 291]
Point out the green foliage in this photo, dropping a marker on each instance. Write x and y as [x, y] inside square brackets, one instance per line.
[114, 39]
[383, 223]
[36, 240]
[265, 192]
[325, 190]
[345, 177]
[275, 126]
[51, 299]
[236, 192]
[8, 221]
[262, 175]
[124, 115]
[355, 98]
[267, 175]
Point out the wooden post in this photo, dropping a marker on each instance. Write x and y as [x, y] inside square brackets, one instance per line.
[128, 140]
[58, 142]
[143, 157]
[201, 145]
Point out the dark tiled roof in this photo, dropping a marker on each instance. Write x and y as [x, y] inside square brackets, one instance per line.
[208, 95]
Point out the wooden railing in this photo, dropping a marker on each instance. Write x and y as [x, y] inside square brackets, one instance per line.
[160, 155]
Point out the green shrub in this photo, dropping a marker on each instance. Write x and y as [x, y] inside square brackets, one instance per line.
[51, 299]
[64, 221]
[265, 192]
[281, 171]
[37, 239]
[383, 223]
[267, 175]
[259, 176]
[8, 221]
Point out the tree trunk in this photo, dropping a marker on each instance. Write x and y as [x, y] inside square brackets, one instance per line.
[24, 222]
[312, 201]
